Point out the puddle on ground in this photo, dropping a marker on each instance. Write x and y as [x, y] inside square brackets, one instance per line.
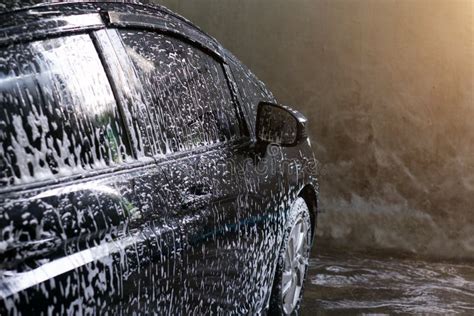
[367, 285]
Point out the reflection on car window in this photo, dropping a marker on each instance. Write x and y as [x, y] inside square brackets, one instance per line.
[58, 115]
[189, 100]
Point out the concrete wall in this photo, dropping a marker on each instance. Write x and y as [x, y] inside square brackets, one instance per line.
[388, 87]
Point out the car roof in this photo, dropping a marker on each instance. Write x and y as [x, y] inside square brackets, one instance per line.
[16, 5]
[20, 19]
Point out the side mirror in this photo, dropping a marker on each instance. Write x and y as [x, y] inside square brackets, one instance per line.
[280, 125]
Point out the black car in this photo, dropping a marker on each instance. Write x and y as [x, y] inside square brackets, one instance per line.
[144, 169]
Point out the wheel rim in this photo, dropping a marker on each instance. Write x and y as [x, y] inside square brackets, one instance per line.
[296, 260]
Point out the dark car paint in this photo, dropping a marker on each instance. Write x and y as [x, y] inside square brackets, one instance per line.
[183, 233]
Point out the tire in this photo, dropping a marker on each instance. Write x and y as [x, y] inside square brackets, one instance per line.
[293, 258]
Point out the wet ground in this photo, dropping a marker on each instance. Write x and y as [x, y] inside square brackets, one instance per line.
[367, 285]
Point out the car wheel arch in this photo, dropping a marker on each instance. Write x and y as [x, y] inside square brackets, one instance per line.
[309, 194]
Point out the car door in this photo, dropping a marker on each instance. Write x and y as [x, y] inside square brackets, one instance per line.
[85, 225]
[219, 180]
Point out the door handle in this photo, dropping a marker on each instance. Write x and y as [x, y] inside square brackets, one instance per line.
[199, 190]
[196, 196]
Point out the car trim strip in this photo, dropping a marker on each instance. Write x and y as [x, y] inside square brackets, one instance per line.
[127, 20]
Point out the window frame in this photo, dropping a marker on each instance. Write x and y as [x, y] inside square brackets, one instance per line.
[196, 39]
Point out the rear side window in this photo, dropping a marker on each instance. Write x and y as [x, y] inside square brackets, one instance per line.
[58, 116]
[189, 100]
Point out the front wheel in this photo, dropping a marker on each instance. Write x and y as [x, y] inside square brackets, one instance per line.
[293, 259]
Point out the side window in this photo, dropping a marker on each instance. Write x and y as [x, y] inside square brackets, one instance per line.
[58, 116]
[188, 97]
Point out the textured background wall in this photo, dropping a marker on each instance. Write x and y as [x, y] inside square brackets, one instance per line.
[389, 89]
